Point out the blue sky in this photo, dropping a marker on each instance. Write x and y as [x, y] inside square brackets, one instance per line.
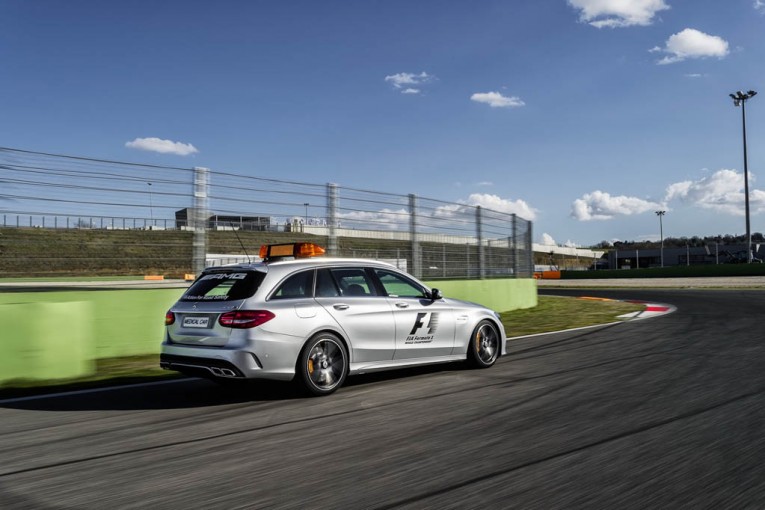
[585, 116]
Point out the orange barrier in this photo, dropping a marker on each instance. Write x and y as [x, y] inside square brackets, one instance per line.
[189, 277]
[153, 277]
[547, 275]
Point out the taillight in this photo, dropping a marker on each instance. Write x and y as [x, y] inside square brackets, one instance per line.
[169, 318]
[243, 319]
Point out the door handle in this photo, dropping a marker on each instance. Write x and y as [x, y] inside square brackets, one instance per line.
[402, 305]
[340, 306]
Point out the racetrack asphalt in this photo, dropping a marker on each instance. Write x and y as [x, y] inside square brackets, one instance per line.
[658, 413]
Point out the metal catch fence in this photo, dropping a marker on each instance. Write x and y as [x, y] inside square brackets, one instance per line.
[66, 215]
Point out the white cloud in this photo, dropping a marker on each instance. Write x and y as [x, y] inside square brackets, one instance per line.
[495, 203]
[488, 201]
[497, 100]
[403, 80]
[691, 43]
[618, 13]
[694, 75]
[484, 183]
[162, 146]
[547, 240]
[759, 5]
[722, 192]
[383, 219]
[399, 219]
[600, 205]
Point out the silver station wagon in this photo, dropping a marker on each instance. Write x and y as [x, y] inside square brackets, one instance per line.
[298, 315]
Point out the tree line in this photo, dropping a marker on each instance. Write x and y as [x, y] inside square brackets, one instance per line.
[680, 242]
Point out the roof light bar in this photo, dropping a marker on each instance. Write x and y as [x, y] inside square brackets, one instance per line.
[270, 252]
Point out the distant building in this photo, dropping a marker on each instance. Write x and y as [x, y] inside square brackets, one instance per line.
[226, 222]
[693, 256]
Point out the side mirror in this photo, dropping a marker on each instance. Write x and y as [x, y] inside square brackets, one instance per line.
[435, 294]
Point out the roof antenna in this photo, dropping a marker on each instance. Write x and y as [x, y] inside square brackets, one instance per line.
[249, 260]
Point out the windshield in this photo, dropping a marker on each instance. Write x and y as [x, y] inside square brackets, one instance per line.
[224, 286]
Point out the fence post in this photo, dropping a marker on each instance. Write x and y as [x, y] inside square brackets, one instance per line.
[332, 219]
[467, 260]
[199, 218]
[416, 259]
[530, 249]
[479, 236]
[514, 247]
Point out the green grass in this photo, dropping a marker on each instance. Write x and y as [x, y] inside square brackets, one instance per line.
[559, 313]
[552, 314]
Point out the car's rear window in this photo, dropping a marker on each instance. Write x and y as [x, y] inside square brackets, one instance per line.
[224, 286]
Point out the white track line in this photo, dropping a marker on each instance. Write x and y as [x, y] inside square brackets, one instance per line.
[566, 330]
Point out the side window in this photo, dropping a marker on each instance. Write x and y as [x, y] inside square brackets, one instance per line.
[396, 285]
[325, 284]
[353, 282]
[298, 285]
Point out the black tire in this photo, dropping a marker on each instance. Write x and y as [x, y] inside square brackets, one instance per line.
[484, 345]
[322, 365]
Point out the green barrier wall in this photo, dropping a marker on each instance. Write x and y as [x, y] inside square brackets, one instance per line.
[499, 295]
[46, 340]
[57, 335]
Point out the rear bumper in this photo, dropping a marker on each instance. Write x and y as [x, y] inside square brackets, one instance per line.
[223, 363]
[200, 367]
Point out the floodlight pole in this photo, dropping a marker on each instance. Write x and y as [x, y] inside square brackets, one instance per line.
[306, 204]
[151, 206]
[740, 99]
[660, 214]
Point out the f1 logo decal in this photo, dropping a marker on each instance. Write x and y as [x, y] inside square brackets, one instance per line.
[431, 318]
